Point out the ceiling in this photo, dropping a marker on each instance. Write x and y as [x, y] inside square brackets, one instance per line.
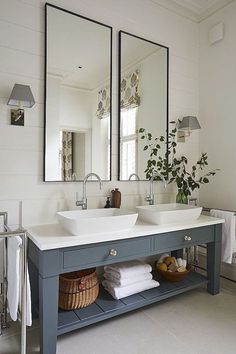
[135, 50]
[78, 50]
[196, 10]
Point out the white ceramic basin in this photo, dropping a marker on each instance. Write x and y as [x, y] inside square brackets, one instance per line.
[81, 222]
[168, 213]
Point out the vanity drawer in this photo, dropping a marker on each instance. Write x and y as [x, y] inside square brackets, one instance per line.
[183, 238]
[106, 253]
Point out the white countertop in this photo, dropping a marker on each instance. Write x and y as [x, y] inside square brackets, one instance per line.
[53, 236]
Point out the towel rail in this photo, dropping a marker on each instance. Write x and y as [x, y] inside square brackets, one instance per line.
[22, 233]
[209, 209]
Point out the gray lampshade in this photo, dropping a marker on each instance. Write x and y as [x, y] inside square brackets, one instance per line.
[189, 123]
[21, 95]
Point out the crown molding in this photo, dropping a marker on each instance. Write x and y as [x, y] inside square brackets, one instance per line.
[214, 8]
[189, 13]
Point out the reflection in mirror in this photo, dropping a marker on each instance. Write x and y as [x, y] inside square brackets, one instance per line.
[78, 91]
[143, 81]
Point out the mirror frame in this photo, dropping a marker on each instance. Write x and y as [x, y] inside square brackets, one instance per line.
[48, 5]
[119, 95]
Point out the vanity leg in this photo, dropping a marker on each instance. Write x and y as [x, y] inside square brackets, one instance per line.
[214, 262]
[34, 284]
[48, 314]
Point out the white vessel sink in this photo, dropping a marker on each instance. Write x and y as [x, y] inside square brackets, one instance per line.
[81, 222]
[168, 213]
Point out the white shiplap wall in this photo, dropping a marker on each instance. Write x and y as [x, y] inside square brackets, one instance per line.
[217, 108]
[21, 60]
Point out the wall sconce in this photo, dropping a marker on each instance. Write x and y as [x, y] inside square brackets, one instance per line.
[21, 96]
[185, 126]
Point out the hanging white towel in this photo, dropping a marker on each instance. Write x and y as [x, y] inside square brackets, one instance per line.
[28, 298]
[14, 284]
[13, 250]
[128, 269]
[124, 291]
[127, 281]
[228, 233]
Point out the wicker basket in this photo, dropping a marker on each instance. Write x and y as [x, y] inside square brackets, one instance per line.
[78, 289]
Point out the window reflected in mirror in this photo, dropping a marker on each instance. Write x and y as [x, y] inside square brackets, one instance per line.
[128, 142]
[143, 97]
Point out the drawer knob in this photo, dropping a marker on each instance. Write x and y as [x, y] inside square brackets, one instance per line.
[187, 238]
[113, 252]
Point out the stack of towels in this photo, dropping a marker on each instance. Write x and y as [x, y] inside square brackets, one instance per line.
[128, 278]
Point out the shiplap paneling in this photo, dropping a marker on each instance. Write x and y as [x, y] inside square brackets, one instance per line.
[21, 60]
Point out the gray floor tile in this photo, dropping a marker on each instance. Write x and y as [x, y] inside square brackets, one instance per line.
[191, 323]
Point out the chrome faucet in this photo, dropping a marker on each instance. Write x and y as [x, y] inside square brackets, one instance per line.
[83, 203]
[150, 197]
[134, 175]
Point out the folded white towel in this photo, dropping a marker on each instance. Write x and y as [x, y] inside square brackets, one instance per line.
[228, 234]
[13, 276]
[124, 291]
[128, 269]
[127, 281]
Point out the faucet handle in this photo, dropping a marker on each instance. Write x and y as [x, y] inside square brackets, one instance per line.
[79, 202]
[150, 199]
[82, 203]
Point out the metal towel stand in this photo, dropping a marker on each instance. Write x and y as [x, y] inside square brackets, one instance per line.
[196, 262]
[195, 248]
[22, 233]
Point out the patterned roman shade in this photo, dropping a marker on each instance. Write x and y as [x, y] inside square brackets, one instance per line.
[130, 95]
[103, 109]
[67, 155]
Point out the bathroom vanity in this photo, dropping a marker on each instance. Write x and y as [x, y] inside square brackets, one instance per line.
[53, 252]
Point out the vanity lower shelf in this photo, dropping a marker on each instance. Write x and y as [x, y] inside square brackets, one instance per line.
[106, 307]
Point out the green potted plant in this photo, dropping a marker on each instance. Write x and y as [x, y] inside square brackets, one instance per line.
[173, 168]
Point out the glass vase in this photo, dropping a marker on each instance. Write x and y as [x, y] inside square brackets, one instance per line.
[181, 197]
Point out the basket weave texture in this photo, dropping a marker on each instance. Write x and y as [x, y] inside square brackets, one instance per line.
[78, 289]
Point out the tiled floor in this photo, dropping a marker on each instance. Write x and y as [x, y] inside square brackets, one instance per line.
[191, 323]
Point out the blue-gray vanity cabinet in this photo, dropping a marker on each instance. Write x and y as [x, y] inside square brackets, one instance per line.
[105, 253]
[180, 239]
[46, 266]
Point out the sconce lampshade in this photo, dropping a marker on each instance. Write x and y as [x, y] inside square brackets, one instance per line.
[189, 123]
[21, 95]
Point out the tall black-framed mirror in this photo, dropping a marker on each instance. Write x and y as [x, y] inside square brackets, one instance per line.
[143, 101]
[78, 81]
